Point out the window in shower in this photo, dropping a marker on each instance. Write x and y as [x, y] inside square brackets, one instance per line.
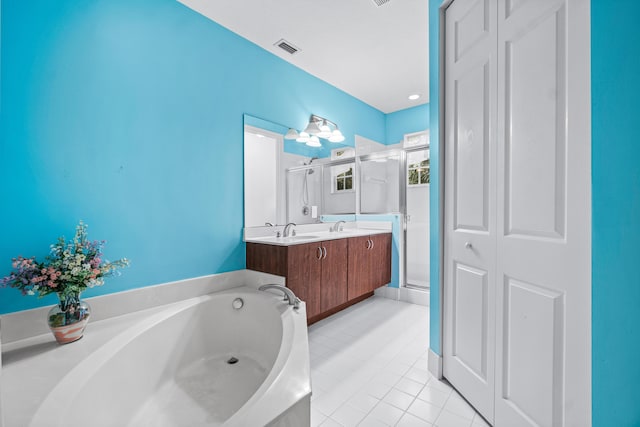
[342, 177]
[339, 189]
[418, 170]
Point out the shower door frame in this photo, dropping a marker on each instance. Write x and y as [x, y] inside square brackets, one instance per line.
[406, 169]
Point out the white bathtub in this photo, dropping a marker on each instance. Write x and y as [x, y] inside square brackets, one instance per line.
[171, 369]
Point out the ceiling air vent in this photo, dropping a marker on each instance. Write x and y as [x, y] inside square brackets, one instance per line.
[286, 46]
[380, 2]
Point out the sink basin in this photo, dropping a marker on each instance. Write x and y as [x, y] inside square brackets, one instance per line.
[294, 238]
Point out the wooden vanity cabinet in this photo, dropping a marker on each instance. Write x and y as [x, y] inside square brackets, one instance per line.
[328, 275]
[359, 267]
[369, 264]
[334, 274]
[315, 272]
[381, 259]
[318, 271]
[304, 275]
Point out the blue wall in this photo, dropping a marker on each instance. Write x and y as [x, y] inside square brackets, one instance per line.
[615, 68]
[128, 114]
[434, 195]
[414, 119]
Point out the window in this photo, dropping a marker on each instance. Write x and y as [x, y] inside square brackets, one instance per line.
[416, 139]
[419, 172]
[343, 178]
[342, 153]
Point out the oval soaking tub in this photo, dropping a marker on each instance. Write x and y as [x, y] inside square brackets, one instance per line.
[200, 362]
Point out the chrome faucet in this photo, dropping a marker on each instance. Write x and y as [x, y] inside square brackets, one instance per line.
[336, 226]
[288, 294]
[285, 232]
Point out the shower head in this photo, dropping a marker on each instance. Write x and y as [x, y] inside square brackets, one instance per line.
[310, 171]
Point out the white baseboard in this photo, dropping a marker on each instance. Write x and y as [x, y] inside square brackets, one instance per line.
[29, 323]
[387, 292]
[415, 296]
[435, 364]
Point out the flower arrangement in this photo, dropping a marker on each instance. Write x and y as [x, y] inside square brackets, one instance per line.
[70, 268]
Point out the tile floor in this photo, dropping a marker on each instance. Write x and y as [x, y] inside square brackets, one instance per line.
[369, 368]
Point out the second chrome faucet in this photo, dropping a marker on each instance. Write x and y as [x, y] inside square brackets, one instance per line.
[286, 232]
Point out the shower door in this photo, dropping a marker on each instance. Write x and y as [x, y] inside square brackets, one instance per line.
[417, 219]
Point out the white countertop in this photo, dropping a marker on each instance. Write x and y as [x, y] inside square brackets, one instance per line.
[310, 233]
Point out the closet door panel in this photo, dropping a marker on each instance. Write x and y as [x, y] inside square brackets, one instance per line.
[470, 318]
[470, 194]
[533, 338]
[534, 139]
[471, 149]
[543, 214]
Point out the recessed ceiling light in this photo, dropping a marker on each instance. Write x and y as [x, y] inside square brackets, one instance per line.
[414, 96]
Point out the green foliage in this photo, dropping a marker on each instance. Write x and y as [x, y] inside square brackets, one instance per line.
[70, 268]
[419, 173]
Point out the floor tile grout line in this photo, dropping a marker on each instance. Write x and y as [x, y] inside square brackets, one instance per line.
[416, 357]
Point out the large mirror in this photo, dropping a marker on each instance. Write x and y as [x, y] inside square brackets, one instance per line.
[288, 181]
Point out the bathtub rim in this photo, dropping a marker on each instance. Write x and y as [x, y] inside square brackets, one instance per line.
[283, 367]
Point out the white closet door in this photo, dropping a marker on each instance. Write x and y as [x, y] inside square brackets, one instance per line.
[544, 227]
[470, 200]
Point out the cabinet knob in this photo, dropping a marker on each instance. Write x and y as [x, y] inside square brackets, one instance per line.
[319, 253]
[372, 243]
[325, 252]
[468, 245]
[368, 244]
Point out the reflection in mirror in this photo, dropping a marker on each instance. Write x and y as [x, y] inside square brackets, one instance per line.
[261, 181]
[288, 181]
[304, 193]
[339, 183]
[380, 183]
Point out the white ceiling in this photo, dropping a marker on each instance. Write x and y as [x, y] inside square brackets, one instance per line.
[376, 54]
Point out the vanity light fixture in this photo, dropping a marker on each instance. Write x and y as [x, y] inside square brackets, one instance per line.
[303, 137]
[312, 128]
[292, 134]
[318, 127]
[336, 136]
[325, 130]
[314, 141]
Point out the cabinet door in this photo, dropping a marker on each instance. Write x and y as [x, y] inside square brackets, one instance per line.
[334, 273]
[380, 258]
[267, 258]
[304, 275]
[359, 267]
